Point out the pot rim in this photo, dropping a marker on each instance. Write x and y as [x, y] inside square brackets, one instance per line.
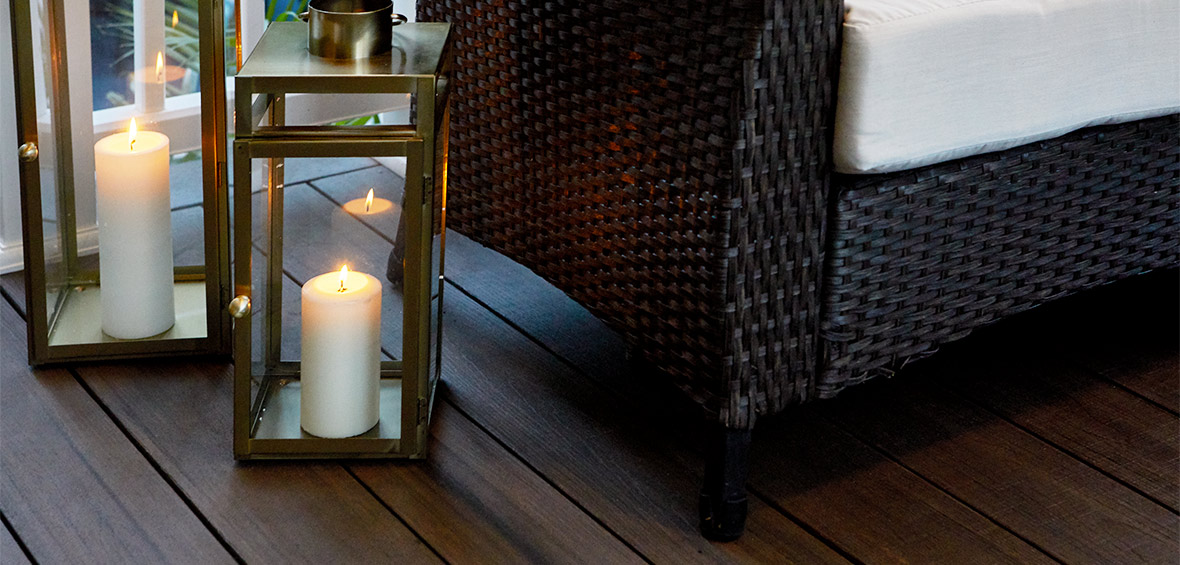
[311, 6]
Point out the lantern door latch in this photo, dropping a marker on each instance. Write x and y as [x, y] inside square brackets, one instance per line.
[28, 151]
[239, 307]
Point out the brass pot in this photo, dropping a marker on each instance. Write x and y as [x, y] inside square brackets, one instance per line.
[350, 29]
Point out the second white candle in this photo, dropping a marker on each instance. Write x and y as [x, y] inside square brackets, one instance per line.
[134, 234]
[340, 367]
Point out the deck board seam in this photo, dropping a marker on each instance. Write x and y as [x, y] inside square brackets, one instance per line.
[1106, 379]
[18, 308]
[155, 465]
[807, 528]
[986, 408]
[503, 445]
[813, 532]
[394, 513]
[134, 443]
[16, 537]
[889, 456]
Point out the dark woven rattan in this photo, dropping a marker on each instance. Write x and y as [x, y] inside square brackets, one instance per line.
[922, 257]
[668, 167]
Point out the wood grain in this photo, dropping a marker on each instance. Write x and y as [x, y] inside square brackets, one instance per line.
[476, 503]
[1066, 508]
[73, 486]
[871, 507]
[795, 460]
[1133, 440]
[181, 412]
[14, 285]
[534, 404]
[10, 551]
[617, 464]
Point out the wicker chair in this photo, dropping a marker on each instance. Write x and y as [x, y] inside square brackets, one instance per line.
[667, 166]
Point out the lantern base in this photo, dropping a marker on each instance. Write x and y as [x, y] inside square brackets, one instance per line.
[79, 318]
[276, 433]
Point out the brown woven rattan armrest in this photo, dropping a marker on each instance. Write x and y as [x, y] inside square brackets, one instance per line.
[665, 165]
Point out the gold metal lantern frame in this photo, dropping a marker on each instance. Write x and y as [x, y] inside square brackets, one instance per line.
[267, 391]
[55, 134]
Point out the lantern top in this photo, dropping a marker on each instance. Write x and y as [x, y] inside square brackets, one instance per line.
[282, 56]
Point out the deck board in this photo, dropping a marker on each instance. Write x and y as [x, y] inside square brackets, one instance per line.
[13, 284]
[72, 485]
[481, 351]
[871, 507]
[10, 550]
[181, 412]
[1065, 507]
[847, 492]
[619, 465]
[1051, 435]
[476, 503]
[1127, 334]
[1135, 441]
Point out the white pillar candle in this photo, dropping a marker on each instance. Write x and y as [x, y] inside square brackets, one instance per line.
[134, 234]
[340, 370]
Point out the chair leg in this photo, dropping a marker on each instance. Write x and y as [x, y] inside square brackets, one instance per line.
[723, 499]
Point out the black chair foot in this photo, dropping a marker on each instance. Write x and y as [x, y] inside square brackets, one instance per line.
[722, 520]
[723, 502]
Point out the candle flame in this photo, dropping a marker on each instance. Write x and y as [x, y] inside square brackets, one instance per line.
[131, 136]
[369, 200]
[175, 18]
[160, 66]
[343, 277]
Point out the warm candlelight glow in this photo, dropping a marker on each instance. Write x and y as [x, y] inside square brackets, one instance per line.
[343, 277]
[370, 205]
[131, 136]
[160, 66]
[175, 18]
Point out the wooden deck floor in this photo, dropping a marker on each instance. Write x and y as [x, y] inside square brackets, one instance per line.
[1050, 437]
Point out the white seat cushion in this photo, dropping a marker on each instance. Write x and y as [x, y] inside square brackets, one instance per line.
[926, 81]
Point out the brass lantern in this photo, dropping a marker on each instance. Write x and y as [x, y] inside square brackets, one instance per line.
[124, 233]
[335, 354]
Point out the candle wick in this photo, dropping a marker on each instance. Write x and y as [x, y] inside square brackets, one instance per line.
[131, 146]
[341, 289]
[368, 204]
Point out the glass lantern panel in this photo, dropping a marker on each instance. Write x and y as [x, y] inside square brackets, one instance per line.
[112, 212]
[124, 222]
[315, 219]
[319, 207]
